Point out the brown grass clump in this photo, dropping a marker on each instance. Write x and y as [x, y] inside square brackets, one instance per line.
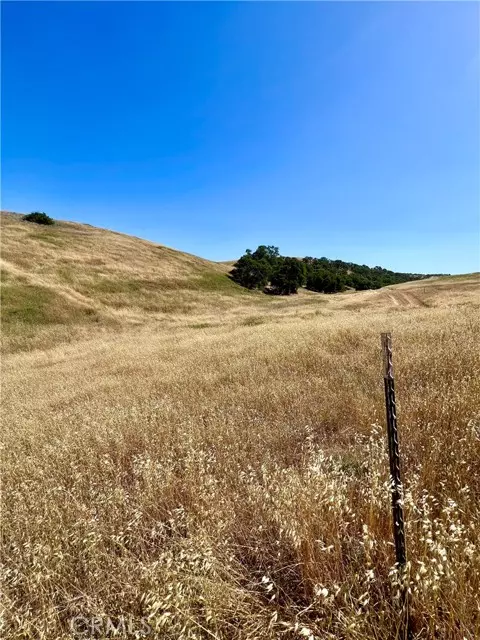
[224, 475]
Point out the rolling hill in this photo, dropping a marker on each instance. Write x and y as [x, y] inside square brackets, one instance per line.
[73, 274]
[64, 281]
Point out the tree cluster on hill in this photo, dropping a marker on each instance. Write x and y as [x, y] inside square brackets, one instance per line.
[330, 276]
[266, 269]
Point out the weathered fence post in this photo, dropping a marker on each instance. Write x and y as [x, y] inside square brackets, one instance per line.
[396, 482]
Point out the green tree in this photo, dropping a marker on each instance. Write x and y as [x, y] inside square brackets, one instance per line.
[316, 280]
[268, 253]
[250, 272]
[360, 282]
[326, 281]
[289, 276]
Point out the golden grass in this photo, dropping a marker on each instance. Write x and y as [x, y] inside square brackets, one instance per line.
[99, 275]
[222, 473]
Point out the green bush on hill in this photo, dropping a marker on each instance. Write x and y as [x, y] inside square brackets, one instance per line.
[40, 217]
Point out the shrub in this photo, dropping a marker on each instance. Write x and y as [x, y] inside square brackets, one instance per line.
[40, 217]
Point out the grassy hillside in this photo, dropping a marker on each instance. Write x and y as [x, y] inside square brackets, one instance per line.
[222, 472]
[76, 276]
[62, 282]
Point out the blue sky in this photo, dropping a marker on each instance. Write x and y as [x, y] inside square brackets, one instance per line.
[346, 130]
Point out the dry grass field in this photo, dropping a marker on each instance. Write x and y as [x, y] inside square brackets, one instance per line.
[213, 461]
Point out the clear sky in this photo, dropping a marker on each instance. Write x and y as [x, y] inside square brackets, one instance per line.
[346, 130]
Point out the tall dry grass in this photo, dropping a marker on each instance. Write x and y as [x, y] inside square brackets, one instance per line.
[227, 477]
